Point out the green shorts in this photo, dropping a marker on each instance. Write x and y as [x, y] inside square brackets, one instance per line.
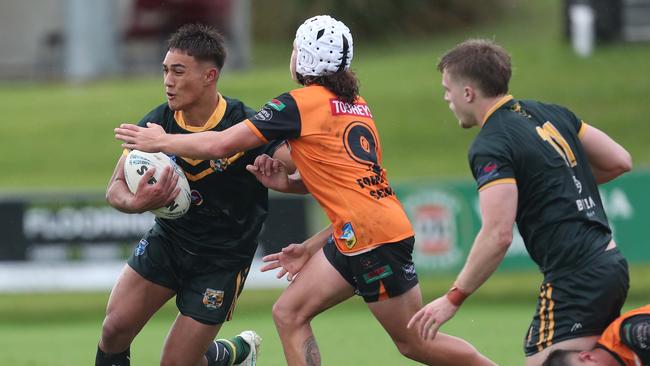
[205, 290]
[580, 303]
[381, 273]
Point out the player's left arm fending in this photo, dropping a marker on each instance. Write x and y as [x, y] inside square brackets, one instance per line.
[200, 145]
[606, 157]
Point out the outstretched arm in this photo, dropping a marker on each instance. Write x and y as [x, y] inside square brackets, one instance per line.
[273, 173]
[293, 257]
[498, 210]
[200, 145]
[606, 157]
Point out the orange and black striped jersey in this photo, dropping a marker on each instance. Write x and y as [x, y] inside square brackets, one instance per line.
[626, 339]
[336, 148]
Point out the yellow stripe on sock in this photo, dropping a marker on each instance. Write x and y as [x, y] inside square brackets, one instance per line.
[232, 345]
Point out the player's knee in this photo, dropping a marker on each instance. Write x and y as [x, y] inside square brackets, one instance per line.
[286, 315]
[115, 331]
[407, 349]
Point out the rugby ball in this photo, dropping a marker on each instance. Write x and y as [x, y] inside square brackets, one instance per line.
[138, 162]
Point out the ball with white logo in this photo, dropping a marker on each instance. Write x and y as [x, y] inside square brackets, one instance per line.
[136, 165]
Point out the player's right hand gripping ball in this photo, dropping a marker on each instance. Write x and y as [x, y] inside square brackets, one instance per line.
[138, 162]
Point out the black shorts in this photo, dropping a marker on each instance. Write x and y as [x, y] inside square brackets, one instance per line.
[580, 303]
[381, 273]
[205, 290]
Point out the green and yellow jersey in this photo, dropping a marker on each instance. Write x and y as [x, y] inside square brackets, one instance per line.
[229, 205]
[537, 146]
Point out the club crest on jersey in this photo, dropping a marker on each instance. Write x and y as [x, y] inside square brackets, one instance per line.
[213, 299]
[276, 104]
[348, 236]
[486, 172]
[219, 165]
[197, 198]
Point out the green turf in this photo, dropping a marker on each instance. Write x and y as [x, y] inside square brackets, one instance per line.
[60, 136]
[62, 329]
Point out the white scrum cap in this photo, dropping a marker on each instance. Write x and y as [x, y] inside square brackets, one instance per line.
[324, 46]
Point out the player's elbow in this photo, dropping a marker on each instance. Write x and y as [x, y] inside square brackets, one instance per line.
[220, 148]
[620, 162]
[214, 151]
[625, 162]
[502, 237]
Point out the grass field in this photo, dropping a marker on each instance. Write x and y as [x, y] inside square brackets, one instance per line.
[59, 137]
[63, 329]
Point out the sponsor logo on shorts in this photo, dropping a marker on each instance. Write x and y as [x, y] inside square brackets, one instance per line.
[212, 299]
[265, 114]
[367, 261]
[378, 274]
[409, 272]
[349, 236]
[576, 327]
[142, 245]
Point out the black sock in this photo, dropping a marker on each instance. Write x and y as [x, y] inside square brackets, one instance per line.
[113, 359]
[218, 354]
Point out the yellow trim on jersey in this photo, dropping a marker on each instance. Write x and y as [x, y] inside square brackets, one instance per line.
[583, 129]
[501, 102]
[499, 181]
[195, 177]
[193, 162]
[214, 119]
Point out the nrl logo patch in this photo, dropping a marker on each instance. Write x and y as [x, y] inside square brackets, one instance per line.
[212, 299]
[265, 114]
